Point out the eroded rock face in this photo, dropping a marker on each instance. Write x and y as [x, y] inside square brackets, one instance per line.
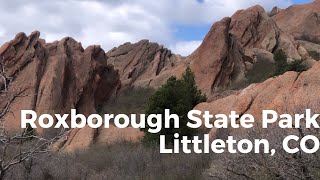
[53, 78]
[254, 29]
[219, 60]
[275, 10]
[230, 48]
[312, 49]
[289, 93]
[228, 51]
[301, 21]
[141, 63]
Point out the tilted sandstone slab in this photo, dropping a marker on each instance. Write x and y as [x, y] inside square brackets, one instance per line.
[227, 52]
[289, 93]
[141, 63]
[53, 78]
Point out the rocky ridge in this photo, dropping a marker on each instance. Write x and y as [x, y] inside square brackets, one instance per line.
[141, 63]
[228, 51]
[53, 78]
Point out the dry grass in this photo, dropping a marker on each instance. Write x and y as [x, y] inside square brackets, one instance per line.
[120, 161]
[129, 101]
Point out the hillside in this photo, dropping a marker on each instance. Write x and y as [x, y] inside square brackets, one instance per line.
[55, 77]
[234, 67]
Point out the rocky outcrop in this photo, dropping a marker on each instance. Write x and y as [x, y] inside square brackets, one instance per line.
[227, 53]
[230, 49]
[56, 77]
[275, 10]
[234, 45]
[79, 139]
[254, 29]
[219, 60]
[301, 21]
[289, 93]
[313, 50]
[53, 78]
[141, 64]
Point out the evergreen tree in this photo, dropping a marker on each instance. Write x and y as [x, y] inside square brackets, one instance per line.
[180, 96]
[280, 60]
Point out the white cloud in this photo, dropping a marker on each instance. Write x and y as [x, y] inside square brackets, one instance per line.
[185, 48]
[113, 22]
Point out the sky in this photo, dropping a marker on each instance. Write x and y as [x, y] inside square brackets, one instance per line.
[179, 25]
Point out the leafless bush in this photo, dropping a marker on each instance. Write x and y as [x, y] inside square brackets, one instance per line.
[21, 148]
[280, 166]
[120, 161]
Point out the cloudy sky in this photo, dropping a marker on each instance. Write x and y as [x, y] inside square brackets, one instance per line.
[178, 24]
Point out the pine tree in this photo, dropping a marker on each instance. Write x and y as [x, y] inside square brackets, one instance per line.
[180, 96]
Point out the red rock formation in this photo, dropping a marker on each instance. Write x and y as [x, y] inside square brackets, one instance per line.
[275, 10]
[53, 78]
[222, 58]
[289, 93]
[86, 137]
[254, 29]
[301, 21]
[228, 51]
[219, 60]
[140, 63]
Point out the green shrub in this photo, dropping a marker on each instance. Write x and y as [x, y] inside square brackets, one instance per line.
[314, 54]
[296, 65]
[280, 61]
[260, 71]
[282, 66]
[180, 96]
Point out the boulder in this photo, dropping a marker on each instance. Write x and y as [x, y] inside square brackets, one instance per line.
[313, 49]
